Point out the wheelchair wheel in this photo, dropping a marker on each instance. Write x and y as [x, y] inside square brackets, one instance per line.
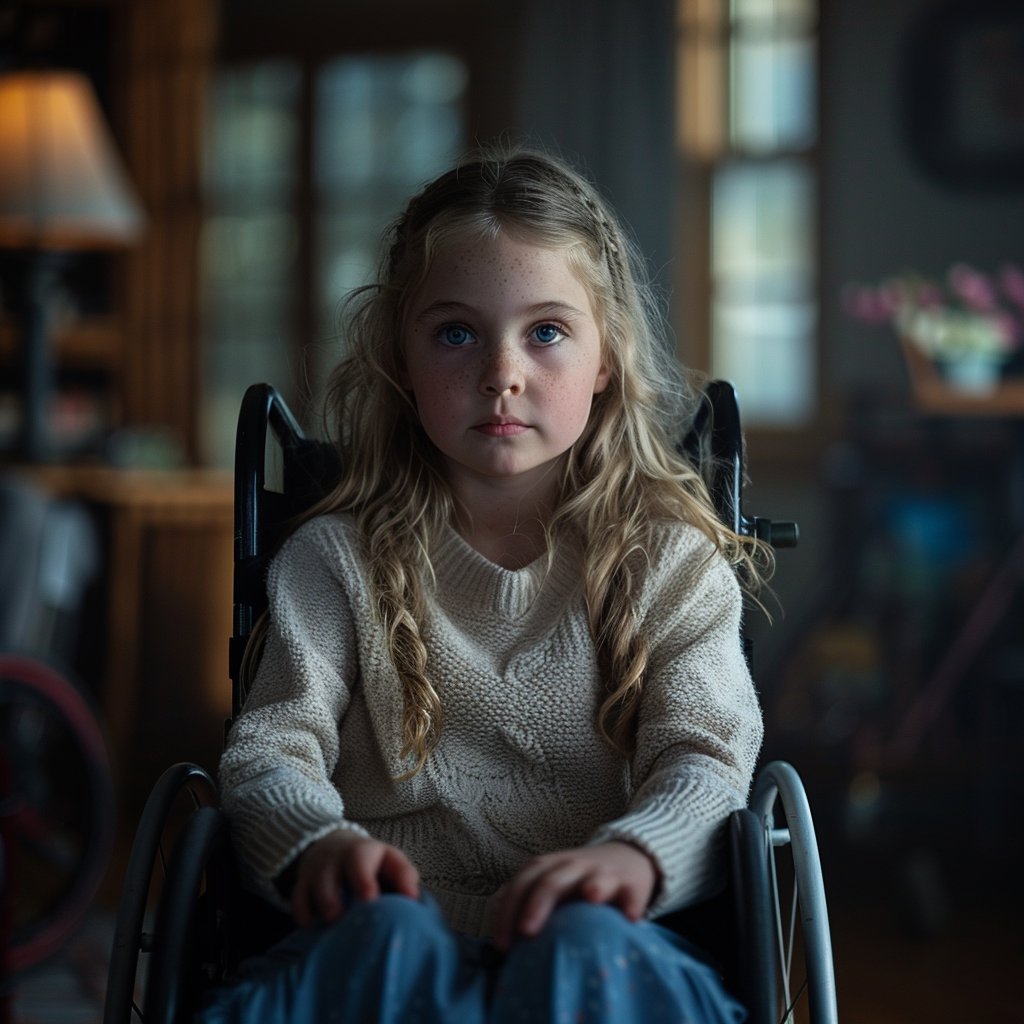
[56, 809]
[193, 946]
[148, 863]
[795, 882]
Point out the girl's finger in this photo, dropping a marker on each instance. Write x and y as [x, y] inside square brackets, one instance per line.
[362, 866]
[512, 900]
[545, 894]
[600, 887]
[630, 900]
[327, 892]
[397, 869]
[300, 903]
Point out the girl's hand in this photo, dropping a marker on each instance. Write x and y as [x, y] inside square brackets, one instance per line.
[344, 860]
[615, 873]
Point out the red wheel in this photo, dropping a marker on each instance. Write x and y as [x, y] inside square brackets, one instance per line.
[56, 808]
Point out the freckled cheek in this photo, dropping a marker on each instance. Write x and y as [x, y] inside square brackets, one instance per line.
[568, 407]
[438, 398]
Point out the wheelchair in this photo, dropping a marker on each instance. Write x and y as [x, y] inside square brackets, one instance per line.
[56, 790]
[770, 918]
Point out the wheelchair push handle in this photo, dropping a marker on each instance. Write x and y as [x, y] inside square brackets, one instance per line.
[777, 534]
[715, 444]
[262, 406]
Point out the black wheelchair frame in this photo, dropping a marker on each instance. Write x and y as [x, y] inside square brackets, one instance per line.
[206, 923]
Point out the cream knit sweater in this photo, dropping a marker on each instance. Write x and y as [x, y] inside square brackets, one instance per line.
[520, 768]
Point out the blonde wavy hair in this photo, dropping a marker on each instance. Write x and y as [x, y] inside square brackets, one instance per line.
[621, 477]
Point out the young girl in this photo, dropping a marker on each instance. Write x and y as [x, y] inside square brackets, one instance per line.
[502, 713]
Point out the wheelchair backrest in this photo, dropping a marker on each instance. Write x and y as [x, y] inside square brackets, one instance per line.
[309, 470]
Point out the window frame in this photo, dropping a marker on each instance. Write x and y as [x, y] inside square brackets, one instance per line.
[697, 160]
[312, 37]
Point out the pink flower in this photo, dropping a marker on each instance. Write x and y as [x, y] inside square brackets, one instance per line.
[929, 296]
[867, 304]
[892, 294]
[1011, 280]
[974, 289]
[1009, 326]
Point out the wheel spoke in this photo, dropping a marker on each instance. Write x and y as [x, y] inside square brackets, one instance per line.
[138, 1012]
[163, 862]
[792, 928]
[783, 966]
[787, 1017]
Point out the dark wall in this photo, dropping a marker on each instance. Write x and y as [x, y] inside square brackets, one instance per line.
[597, 83]
[881, 212]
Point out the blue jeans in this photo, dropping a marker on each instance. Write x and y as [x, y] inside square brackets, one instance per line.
[396, 961]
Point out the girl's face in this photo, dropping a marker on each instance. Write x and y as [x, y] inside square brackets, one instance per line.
[503, 357]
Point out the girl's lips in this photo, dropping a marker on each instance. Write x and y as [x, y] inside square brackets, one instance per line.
[501, 429]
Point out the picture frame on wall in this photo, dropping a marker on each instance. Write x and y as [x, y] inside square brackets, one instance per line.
[963, 94]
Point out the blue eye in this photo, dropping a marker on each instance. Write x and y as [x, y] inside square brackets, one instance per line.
[546, 334]
[455, 336]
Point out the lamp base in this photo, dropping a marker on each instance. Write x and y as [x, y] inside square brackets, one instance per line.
[42, 270]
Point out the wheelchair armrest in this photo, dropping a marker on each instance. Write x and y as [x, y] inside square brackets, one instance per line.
[733, 929]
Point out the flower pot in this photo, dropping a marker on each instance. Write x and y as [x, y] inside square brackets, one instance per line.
[973, 373]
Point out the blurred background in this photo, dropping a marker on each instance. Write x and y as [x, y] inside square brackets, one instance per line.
[830, 195]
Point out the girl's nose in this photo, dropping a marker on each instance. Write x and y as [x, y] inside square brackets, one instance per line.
[502, 374]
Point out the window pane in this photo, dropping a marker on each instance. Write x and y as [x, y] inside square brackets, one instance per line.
[772, 94]
[794, 14]
[767, 351]
[763, 274]
[383, 126]
[762, 238]
[249, 241]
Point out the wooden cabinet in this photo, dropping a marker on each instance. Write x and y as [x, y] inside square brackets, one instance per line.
[164, 689]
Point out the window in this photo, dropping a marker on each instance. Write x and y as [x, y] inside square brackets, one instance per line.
[249, 241]
[377, 128]
[383, 126]
[747, 118]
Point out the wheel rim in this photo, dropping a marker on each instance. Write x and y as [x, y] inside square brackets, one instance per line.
[146, 849]
[780, 781]
[48, 729]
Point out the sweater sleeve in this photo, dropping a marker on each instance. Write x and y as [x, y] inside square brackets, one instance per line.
[699, 725]
[275, 773]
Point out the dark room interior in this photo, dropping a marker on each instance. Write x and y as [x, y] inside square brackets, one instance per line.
[829, 199]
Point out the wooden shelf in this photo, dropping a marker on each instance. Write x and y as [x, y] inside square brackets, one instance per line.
[193, 492]
[90, 343]
[933, 395]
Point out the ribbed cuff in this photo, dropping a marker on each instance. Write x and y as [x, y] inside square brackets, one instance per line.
[276, 839]
[685, 877]
[686, 848]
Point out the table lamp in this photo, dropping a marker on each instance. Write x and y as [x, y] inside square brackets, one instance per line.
[62, 188]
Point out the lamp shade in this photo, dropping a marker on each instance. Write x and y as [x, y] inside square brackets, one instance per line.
[62, 183]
